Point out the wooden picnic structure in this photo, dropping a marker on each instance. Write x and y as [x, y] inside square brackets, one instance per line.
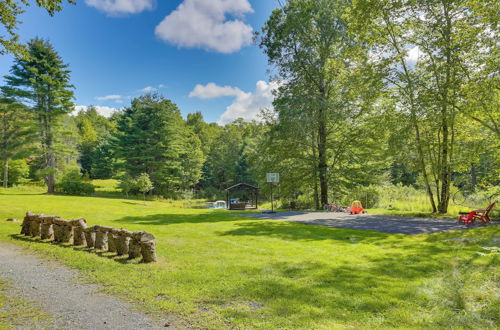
[247, 197]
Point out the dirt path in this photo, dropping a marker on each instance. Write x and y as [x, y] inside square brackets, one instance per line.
[57, 290]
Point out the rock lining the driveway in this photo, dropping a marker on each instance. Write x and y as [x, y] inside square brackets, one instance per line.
[381, 223]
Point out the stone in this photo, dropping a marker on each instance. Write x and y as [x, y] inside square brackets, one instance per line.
[35, 225]
[79, 237]
[26, 225]
[134, 249]
[67, 233]
[122, 242]
[46, 231]
[111, 241]
[90, 236]
[101, 237]
[57, 225]
[148, 251]
[78, 231]
[12, 220]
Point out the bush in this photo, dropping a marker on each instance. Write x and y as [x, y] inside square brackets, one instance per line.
[369, 196]
[72, 183]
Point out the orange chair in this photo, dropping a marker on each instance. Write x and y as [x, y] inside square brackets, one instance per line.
[469, 217]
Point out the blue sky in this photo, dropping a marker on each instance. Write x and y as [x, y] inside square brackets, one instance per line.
[198, 53]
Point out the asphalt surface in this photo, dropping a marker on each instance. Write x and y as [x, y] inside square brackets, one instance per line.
[381, 223]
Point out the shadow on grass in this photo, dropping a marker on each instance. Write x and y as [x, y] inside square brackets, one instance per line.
[422, 249]
[171, 219]
[110, 255]
[296, 231]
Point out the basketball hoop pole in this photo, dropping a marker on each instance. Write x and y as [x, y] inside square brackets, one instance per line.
[272, 199]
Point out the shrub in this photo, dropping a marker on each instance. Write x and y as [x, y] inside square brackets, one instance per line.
[369, 196]
[72, 183]
[128, 185]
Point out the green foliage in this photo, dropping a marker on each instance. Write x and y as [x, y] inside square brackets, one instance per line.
[143, 183]
[72, 183]
[127, 184]
[324, 105]
[18, 172]
[43, 79]
[16, 137]
[96, 153]
[152, 138]
[9, 21]
[369, 196]
[453, 46]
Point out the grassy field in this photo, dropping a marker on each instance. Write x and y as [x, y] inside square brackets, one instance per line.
[217, 270]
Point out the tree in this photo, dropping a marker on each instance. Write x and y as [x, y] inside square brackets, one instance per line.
[87, 145]
[9, 12]
[321, 68]
[152, 138]
[451, 39]
[144, 184]
[95, 150]
[127, 184]
[16, 134]
[42, 82]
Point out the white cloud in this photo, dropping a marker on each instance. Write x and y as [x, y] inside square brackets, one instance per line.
[412, 55]
[109, 97]
[102, 110]
[161, 86]
[245, 105]
[203, 24]
[121, 7]
[148, 89]
[212, 91]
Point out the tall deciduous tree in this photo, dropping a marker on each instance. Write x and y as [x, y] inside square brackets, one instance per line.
[321, 68]
[42, 81]
[431, 52]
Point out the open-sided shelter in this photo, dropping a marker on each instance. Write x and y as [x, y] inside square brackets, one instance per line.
[242, 196]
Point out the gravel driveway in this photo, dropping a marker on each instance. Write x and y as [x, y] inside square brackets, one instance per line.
[56, 290]
[382, 223]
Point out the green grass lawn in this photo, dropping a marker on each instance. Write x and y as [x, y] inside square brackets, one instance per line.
[216, 270]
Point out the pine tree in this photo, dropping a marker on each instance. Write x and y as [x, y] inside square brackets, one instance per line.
[153, 138]
[42, 81]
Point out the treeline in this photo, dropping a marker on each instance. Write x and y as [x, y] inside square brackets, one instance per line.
[370, 92]
[43, 140]
[405, 88]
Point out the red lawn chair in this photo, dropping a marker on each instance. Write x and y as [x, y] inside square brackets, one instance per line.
[469, 217]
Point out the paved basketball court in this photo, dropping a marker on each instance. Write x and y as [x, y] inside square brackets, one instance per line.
[382, 223]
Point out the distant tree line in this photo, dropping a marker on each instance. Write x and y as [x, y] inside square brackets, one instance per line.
[370, 92]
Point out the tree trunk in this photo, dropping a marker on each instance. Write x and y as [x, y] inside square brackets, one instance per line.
[322, 163]
[422, 166]
[445, 172]
[51, 159]
[6, 174]
[473, 175]
[315, 171]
